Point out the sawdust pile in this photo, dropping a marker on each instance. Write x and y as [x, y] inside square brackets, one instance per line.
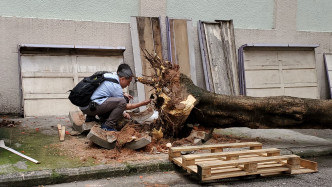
[85, 150]
[127, 134]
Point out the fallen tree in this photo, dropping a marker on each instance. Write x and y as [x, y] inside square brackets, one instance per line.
[179, 101]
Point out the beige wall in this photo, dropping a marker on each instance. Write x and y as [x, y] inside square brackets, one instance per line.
[286, 33]
[14, 31]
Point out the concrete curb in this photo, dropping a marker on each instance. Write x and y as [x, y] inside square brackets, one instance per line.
[63, 175]
[311, 151]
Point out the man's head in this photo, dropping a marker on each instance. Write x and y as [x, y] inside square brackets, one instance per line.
[125, 75]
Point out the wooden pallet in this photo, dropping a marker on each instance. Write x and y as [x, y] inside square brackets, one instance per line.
[218, 164]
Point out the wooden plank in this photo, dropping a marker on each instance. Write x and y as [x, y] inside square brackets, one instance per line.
[192, 52]
[216, 56]
[248, 160]
[137, 57]
[229, 47]
[202, 45]
[215, 146]
[231, 153]
[210, 166]
[59, 130]
[171, 43]
[250, 167]
[146, 42]
[303, 171]
[63, 133]
[222, 60]
[309, 164]
[178, 161]
[207, 49]
[146, 35]
[243, 173]
[180, 48]
[190, 159]
[220, 170]
[158, 49]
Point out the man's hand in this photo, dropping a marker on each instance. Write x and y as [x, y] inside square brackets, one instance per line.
[128, 96]
[130, 106]
[126, 115]
[146, 102]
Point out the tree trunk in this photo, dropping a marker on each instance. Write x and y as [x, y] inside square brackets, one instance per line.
[222, 111]
[179, 101]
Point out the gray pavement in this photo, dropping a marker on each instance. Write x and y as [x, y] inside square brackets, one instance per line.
[58, 168]
[182, 179]
[303, 142]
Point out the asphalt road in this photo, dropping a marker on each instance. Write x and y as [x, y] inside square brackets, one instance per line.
[180, 178]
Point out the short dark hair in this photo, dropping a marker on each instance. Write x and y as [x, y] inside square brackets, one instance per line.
[124, 70]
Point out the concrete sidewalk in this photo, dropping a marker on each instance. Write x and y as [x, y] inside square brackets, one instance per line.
[38, 138]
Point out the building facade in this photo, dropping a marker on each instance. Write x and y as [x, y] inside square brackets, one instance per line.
[99, 31]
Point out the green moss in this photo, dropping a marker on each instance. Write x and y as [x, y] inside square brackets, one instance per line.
[130, 168]
[38, 146]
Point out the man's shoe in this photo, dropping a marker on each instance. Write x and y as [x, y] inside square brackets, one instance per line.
[91, 118]
[107, 128]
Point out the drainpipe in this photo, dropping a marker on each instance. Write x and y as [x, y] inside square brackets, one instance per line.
[328, 76]
[20, 80]
[241, 72]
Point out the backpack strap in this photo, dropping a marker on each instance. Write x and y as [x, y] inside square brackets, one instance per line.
[111, 80]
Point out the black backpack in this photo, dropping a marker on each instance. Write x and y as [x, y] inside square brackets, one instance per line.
[80, 95]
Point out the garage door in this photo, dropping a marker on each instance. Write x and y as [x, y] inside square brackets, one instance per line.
[276, 72]
[46, 80]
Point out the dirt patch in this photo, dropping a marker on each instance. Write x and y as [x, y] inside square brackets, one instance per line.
[127, 134]
[217, 139]
[8, 123]
[86, 150]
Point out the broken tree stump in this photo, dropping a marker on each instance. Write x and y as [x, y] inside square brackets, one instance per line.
[138, 143]
[99, 136]
[128, 137]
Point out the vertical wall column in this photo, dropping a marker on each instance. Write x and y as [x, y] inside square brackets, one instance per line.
[285, 17]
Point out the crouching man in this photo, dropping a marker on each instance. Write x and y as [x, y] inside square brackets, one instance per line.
[109, 102]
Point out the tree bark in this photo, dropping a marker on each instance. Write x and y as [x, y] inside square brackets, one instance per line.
[223, 111]
[179, 101]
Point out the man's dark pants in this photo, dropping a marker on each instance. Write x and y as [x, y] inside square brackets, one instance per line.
[114, 106]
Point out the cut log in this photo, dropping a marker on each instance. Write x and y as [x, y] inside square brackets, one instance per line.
[63, 133]
[78, 122]
[99, 137]
[128, 137]
[142, 116]
[139, 143]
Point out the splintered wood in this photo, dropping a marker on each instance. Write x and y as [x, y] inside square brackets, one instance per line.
[219, 164]
[62, 132]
